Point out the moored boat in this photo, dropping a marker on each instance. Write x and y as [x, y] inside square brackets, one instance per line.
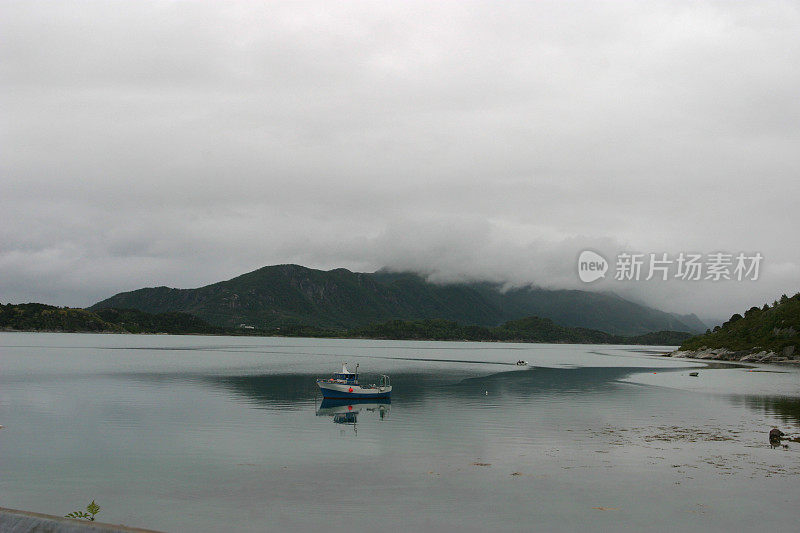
[345, 384]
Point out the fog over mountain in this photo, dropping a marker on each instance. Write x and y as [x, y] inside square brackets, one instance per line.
[184, 143]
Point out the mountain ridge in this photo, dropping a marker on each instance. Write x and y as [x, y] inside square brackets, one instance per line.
[288, 294]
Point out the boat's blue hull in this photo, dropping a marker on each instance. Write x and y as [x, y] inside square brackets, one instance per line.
[332, 403]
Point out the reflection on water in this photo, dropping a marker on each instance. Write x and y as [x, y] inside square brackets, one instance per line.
[299, 391]
[543, 381]
[286, 391]
[786, 408]
[292, 390]
[346, 411]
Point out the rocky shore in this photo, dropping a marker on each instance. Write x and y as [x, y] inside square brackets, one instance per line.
[754, 355]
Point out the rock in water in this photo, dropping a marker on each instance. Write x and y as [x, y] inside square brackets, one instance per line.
[775, 435]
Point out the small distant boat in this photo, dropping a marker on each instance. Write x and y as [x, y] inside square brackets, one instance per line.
[345, 385]
[521, 363]
[694, 374]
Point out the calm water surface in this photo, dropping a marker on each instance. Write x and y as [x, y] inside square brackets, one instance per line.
[188, 433]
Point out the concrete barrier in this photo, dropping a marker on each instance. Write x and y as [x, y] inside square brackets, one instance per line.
[14, 521]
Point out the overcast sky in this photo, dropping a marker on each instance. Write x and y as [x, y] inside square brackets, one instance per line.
[183, 143]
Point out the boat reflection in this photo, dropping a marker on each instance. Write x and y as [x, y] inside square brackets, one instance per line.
[346, 411]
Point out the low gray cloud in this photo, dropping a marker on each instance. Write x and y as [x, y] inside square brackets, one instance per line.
[180, 143]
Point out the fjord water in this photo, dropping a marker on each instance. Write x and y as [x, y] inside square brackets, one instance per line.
[190, 433]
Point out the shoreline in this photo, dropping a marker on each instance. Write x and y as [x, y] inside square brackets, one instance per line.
[343, 337]
[753, 355]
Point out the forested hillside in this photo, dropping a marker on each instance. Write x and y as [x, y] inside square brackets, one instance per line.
[294, 296]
